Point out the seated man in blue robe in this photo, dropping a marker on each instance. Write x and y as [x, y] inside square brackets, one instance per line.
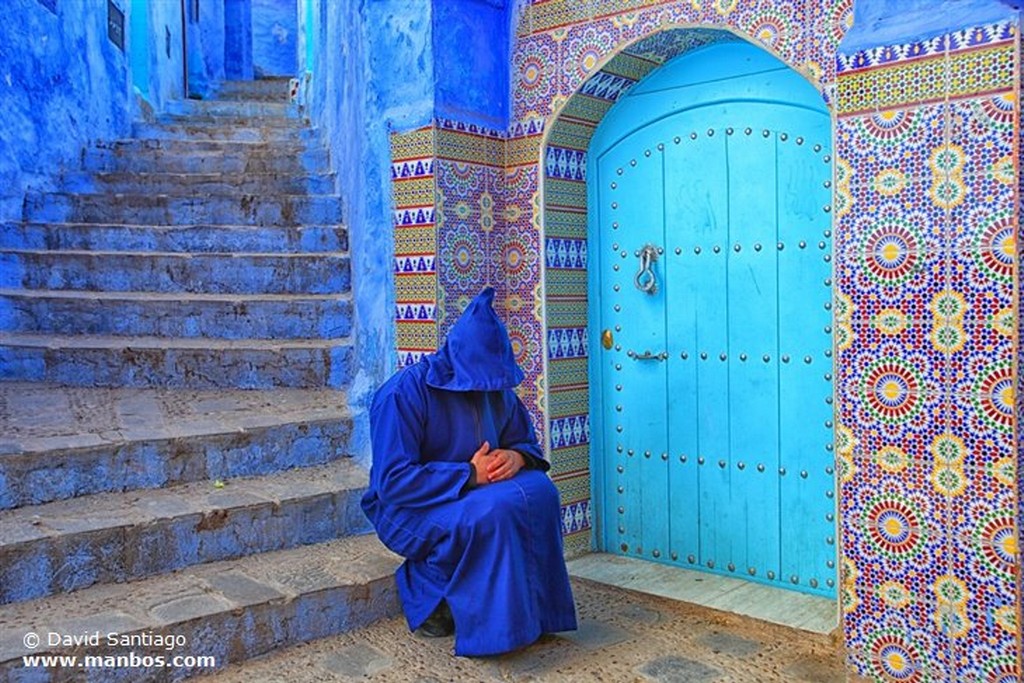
[458, 488]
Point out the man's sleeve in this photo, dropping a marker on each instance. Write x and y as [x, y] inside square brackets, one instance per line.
[399, 477]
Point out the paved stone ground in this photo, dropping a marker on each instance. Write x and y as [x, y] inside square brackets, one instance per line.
[37, 417]
[624, 636]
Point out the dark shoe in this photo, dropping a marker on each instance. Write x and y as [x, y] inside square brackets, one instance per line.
[439, 624]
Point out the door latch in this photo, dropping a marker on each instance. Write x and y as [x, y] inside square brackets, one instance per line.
[607, 341]
[647, 355]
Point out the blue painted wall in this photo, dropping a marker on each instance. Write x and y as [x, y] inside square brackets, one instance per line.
[471, 40]
[63, 84]
[274, 37]
[373, 73]
[238, 39]
[891, 22]
[205, 40]
[166, 52]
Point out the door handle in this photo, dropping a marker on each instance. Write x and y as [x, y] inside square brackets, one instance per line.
[647, 355]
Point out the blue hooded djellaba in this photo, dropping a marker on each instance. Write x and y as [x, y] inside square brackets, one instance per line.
[493, 552]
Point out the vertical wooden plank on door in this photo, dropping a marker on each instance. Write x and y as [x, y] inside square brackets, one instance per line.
[600, 258]
[752, 356]
[706, 178]
[805, 417]
[632, 175]
[694, 218]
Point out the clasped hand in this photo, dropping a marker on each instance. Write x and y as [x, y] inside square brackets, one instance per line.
[497, 464]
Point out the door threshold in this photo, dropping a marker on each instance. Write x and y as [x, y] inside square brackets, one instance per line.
[776, 605]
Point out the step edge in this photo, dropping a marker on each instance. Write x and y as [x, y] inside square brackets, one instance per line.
[361, 545]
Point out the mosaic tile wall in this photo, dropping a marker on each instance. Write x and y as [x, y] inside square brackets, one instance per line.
[926, 206]
[926, 273]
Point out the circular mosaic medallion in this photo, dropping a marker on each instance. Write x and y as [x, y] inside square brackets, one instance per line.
[948, 304]
[894, 594]
[890, 254]
[949, 480]
[948, 158]
[998, 109]
[725, 7]
[894, 527]
[892, 390]
[950, 589]
[531, 69]
[998, 669]
[896, 656]
[995, 395]
[998, 545]
[949, 337]
[948, 192]
[948, 449]
[890, 125]
[770, 28]
[890, 182]
[891, 321]
[840, 18]
[1003, 170]
[997, 247]
[1004, 322]
[892, 459]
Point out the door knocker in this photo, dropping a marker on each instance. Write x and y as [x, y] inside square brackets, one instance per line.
[645, 280]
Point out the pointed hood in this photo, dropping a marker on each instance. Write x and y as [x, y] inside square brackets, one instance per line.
[477, 355]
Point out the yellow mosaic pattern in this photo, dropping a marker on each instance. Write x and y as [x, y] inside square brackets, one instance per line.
[892, 86]
[470, 148]
[958, 74]
[574, 459]
[569, 402]
[420, 239]
[414, 191]
[416, 336]
[567, 313]
[558, 13]
[569, 224]
[571, 134]
[416, 144]
[566, 193]
[524, 151]
[418, 288]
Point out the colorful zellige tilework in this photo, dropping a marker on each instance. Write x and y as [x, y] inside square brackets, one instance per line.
[926, 133]
[413, 185]
[926, 296]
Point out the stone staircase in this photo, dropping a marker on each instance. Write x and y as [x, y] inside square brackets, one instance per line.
[174, 436]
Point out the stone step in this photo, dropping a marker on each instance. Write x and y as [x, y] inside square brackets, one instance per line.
[149, 314]
[172, 238]
[258, 89]
[243, 108]
[86, 360]
[63, 442]
[162, 209]
[68, 545]
[200, 184]
[209, 129]
[201, 273]
[231, 611]
[206, 156]
[240, 121]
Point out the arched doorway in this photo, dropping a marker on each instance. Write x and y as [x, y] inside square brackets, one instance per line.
[710, 186]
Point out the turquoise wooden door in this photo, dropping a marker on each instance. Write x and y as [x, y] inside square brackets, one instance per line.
[709, 193]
